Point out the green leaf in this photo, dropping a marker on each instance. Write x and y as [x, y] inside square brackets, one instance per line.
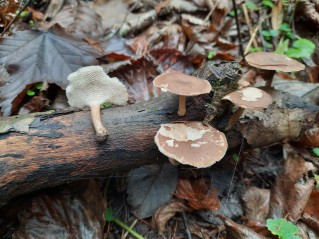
[39, 85]
[285, 27]
[235, 157]
[255, 49]
[232, 12]
[282, 228]
[282, 47]
[108, 215]
[30, 93]
[251, 6]
[106, 105]
[268, 3]
[316, 151]
[265, 33]
[301, 48]
[211, 54]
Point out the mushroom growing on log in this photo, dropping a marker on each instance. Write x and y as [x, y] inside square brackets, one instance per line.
[44, 150]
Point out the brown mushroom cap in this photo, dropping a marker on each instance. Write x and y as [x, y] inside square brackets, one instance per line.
[191, 143]
[273, 61]
[182, 84]
[249, 98]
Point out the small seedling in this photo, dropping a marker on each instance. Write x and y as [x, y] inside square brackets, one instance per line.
[235, 157]
[108, 215]
[282, 228]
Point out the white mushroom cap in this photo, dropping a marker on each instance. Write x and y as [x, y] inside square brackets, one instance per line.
[92, 86]
[249, 98]
[273, 61]
[182, 84]
[191, 143]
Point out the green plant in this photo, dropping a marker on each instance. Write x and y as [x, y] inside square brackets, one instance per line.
[35, 89]
[282, 228]
[108, 215]
[316, 151]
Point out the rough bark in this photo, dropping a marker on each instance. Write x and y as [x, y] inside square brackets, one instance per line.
[41, 151]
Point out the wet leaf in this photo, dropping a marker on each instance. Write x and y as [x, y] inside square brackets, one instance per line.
[148, 189]
[165, 213]
[199, 193]
[137, 76]
[75, 212]
[36, 56]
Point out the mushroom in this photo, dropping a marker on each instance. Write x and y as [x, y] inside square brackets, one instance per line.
[191, 143]
[91, 86]
[247, 98]
[182, 85]
[270, 62]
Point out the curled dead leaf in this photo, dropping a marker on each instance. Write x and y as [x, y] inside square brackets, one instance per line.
[199, 193]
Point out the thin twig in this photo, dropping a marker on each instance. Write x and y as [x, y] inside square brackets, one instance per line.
[247, 19]
[251, 40]
[241, 49]
[15, 18]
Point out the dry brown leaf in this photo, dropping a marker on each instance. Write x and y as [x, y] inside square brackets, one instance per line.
[138, 76]
[236, 231]
[165, 213]
[172, 60]
[310, 137]
[293, 187]
[312, 206]
[256, 204]
[7, 12]
[138, 45]
[75, 212]
[199, 193]
[277, 15]
[79, 20]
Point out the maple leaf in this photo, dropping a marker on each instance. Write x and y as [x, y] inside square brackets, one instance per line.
[35, 56]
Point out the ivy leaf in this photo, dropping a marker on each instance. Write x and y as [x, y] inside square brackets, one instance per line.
[282, 228]
[301, 48]
[35, 56]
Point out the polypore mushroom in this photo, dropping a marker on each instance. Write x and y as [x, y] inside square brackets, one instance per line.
[182, 85]
[91, 86]
[270, 62]
[247, 98]
[191, 143]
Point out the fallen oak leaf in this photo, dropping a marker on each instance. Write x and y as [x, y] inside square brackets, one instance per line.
[200, 193]
[36, 56]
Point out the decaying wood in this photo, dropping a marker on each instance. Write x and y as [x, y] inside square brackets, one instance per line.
[45, 150]
[48, 150]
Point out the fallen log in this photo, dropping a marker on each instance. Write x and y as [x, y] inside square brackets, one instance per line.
[45, 150]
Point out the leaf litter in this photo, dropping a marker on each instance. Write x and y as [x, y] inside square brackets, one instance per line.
[176, 35]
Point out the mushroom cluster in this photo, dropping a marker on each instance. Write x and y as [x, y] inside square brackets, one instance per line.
[91, 86]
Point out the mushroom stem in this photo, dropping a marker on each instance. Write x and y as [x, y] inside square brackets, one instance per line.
[101, 132]
[181, 105]
[268, 76]
[234, 118]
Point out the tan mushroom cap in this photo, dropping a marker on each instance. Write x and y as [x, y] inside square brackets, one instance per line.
[182, 84]
[273, 61]
[249, 98]
[191, 143]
